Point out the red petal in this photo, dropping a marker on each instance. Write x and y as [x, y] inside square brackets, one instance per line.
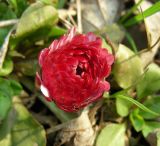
[43, 54]
[110, 59]
[63, 40]
[105, 86]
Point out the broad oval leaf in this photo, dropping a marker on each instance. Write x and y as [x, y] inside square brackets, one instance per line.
[6, 141]
[127, 68]
[138, 104]
[149, 127]
[151, 131]
[20, 128]
[8, 88]
[6, 127]
[112, 135]
[150, 82]
[26, 131]
[5, 87]
[7, 67]
[153, 103]
[5, 104]
[137, 120]
[39, 15]
[16, 87]
[123, 106]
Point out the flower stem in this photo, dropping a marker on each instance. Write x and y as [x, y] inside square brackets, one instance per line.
[61, 115]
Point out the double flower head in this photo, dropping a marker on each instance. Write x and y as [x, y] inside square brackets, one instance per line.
[74, 69]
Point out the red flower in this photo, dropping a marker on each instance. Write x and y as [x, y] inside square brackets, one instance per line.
[74, 70]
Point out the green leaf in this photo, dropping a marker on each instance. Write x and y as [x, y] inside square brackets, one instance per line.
[5, 14]
[60, 114]
[150, 83]
[137, 120]
[112, 135]
[130, 11]
[20, 128]
[6, 127]
[16, 87]
[6, 141]
[5, 87]
[61, 3]
[8, 88]
[141, 106]
[57, 31]
[151, 131]
[148, 12]
[27, 67]
[3, 34]
[7, 67]
[131, 42]
[149, 127]
[153, 103]
[123, 107]
[18, 6]
[39, 16]
[5, 104]
[127, 69]
[26, 131]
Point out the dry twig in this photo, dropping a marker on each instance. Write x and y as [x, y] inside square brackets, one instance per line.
[8, 22]
[79, 17]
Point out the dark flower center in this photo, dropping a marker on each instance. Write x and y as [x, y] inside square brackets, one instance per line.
[79, 70]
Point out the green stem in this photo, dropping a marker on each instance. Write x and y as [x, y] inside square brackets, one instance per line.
[61, 115]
